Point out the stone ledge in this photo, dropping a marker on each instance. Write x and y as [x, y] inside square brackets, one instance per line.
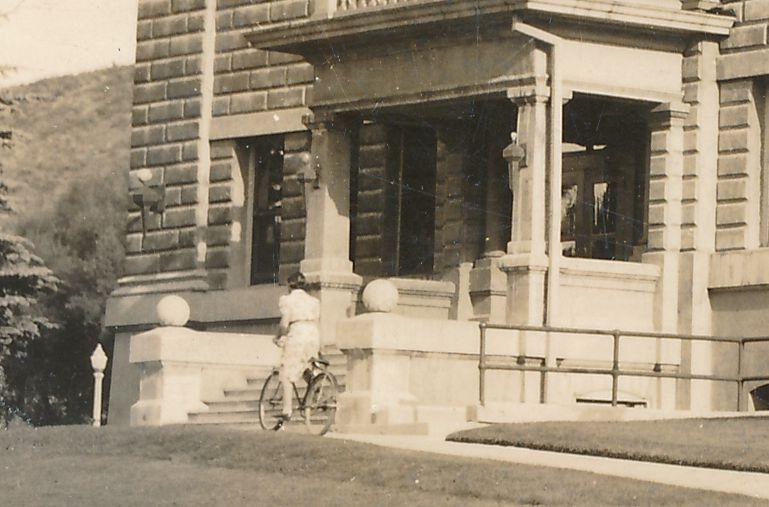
[739, 270]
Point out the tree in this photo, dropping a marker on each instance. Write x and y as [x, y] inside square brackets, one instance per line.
[81, 238]
[24, 280]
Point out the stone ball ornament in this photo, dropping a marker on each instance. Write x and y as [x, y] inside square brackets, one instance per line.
[173, 311]
[380, 296]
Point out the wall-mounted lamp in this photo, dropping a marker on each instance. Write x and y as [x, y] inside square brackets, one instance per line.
[515, 154]
[98, 364]
[148, 197]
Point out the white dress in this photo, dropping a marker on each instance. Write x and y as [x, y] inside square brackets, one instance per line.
[300, 313]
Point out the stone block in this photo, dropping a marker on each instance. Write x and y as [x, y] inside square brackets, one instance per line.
[230, 41]
[745, 36]
[222, 63]
[221, 106]
[187, 5]
[293, 207]
[193, 65]
[147, 136]
[186, 45]
[732, 213]
[733, 141]
[178, 260]
[294, 163]
[133, 244]
[756, 10]
[229, 83]
[291, 252]
[192, 108]
[190, 151]
[222, 149]
[279, 99]
[250, 59]
[732, 189]
[154, 8]
[300, 73]
[189, 87]
[166, 111]
[223, 21]
[218, 215]
[733, 164]
[196, 23]
[173, 196]
[161, 240]
[135, 223]
[734, 116]
[141, 264]
[141, 74]
[218, 235]
[218, 279]
[278, 58]
[251, 15]
[221, 171]
[293, 230]
[182, 131]
[189, 194]
[283, 10]
[733, 92]
[268, 78]
[139, 115]
[162, 155]
[217, 258]
[219, 193]
[152, 50]
[180, 174]
[138, 158]
[167, 26]
[151, 92]
[179, 217]
[731, 238]
[143, 30]
[248, 102]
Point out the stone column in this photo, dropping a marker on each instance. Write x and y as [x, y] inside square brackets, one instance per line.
[526, 260]
[327, 263]
[666, 167]
[525, 263]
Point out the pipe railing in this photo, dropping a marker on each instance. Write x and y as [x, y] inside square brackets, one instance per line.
[616, 371]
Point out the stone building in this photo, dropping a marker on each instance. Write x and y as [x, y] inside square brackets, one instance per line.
[429, 142]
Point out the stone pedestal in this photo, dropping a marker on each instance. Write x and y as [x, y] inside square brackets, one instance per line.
[488, 289]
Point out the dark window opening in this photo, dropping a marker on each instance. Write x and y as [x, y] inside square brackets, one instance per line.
[268, 180]
[413, 201]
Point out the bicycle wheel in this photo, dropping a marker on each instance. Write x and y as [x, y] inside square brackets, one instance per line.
[271, 402]
[320, 403]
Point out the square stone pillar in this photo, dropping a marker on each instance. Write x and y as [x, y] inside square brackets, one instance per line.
[526, 260]
[666, 168]
[327, 263]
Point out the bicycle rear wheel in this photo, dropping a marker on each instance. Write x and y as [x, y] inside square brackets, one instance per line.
[271, 402]
[320, 403]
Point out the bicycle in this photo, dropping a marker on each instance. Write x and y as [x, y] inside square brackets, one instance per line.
[317, 407]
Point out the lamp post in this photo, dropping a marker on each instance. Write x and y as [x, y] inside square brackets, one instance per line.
[98, 363]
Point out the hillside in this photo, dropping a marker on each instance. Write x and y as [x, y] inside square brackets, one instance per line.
[63, 129]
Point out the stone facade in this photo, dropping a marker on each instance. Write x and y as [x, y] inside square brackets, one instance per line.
[216, 77]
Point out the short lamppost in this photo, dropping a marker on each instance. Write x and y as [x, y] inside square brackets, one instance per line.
[98, 363]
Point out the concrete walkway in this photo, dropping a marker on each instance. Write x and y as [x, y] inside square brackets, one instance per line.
[743, 483]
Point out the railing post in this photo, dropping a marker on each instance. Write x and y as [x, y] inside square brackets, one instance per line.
[740, 382]
[615, 369]
[482, 367]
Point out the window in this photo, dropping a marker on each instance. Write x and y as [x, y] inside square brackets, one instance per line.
[266, 209]
[412, 200]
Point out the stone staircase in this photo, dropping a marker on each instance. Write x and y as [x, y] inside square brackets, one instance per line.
[240, 404]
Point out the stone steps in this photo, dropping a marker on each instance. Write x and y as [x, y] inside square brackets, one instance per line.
[240, 404]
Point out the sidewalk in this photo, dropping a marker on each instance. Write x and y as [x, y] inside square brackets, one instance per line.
[743, 483]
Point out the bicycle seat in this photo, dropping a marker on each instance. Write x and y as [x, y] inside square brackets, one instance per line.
[319, 362]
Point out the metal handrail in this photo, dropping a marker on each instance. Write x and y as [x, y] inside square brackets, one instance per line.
[615, 371]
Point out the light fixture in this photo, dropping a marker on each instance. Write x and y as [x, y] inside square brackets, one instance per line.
[99, 364]
[150, 198]
[515, 154]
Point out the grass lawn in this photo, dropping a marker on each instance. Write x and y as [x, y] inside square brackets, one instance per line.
[733, 444]
[218, 466]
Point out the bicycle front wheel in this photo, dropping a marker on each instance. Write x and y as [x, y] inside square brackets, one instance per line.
[320, 403]
[271, 402]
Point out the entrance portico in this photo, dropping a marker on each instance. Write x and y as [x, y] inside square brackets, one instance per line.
[597, 88]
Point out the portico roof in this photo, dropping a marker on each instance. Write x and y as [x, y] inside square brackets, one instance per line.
[303, 36]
